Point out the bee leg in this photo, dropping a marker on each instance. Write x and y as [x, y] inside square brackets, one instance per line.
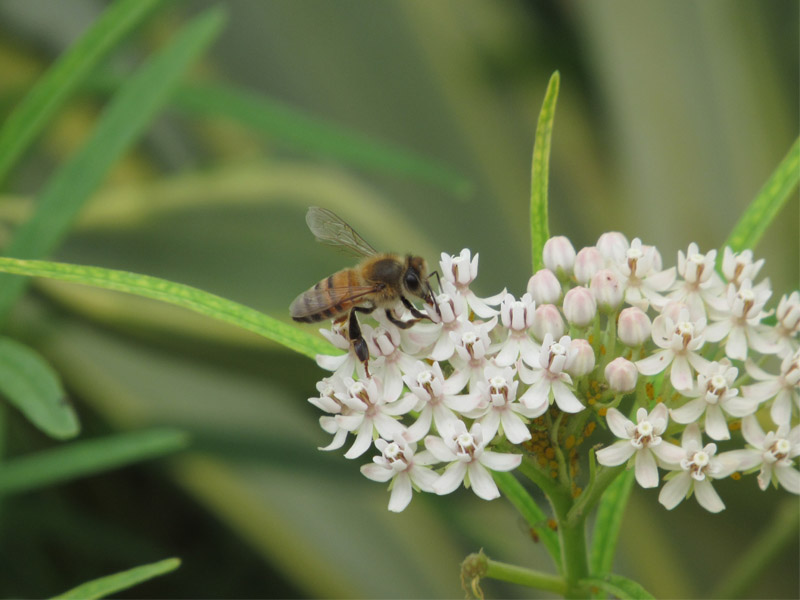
[398, 322]
[413, 310]
[359, 343]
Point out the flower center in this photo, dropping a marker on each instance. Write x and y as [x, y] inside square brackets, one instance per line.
[686, 331]
[393, 452]
[465, 443]
[780, 449]
[644, 435]
[357, 390]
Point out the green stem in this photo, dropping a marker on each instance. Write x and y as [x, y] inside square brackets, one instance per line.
[527, 577]
[603, 477]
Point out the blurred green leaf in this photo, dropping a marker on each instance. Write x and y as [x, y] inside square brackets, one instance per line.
[313, 134]
[64, 77]
[527, 507]
[767, 204]
[618, 586]
[540, 169]
[35, 389]
[179, 294]
[123, 120]
[609, 520]
[79, 459]
[110, 584]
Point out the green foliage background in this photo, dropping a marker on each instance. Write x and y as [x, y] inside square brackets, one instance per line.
[413, 120]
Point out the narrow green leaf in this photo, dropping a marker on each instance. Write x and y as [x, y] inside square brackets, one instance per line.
[179, 294]
[111, 584]
[609, 521]
[540, 170]
[35, 389]
[767, 204]
[618, 586]
[123, 120]
[313, 134]
[89, 457]
[63, 78]
[530, 511]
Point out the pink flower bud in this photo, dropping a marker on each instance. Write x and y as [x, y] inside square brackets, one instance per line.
[559, 255]
[621, 375]
[633, 327]
[579, 306]
[544, 287]
[581, 359]
[788, 312]
[588, 262]
[547, 319]
[607, 290]
[612, 246]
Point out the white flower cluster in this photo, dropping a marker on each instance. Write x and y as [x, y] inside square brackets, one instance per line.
[490, 372]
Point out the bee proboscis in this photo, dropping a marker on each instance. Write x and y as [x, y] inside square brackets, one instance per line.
[380, 280]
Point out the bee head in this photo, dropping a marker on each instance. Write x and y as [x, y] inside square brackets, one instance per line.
[415, 280]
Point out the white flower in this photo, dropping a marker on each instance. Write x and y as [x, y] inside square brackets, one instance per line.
[329, 388]
[498, 409]
[738, 267]
[517, 317]
[785, 388]
[406, 470]
[695, 471]
[643, 440]
[773, 452]
[641, 276]
[472, 350]
[699, 282]
[451, 318]
[369, 411]
[461, 271]
[438, 399]
[392, 362]
[681, 341]
[343, 365]
[548, 379]
[737, 318]
[469, 461]
[788, 317]
[714, 396]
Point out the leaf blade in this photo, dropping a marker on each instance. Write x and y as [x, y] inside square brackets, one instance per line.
[179, 294]
[609, 521]
[619, 586]
[123, 120]
[65, 76]
[767, 204]
[540, 169]
[30, 384]
[87, 457]
[110, 584]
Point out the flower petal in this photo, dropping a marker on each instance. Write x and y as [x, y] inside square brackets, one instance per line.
[451, 478]
[565, 399]
[674, 491]
[619, 425]
[652, 365]
[615, 454]
[482, 483]
[689, 412]
[497, 461]
[681, 374]
[715, 425]
[376, 472]
[439, 449]
[646, 469]
[789, 478]
[707, 496]
[514, 428]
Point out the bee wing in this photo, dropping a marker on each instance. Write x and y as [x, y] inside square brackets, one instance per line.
[317, 300]
[329, 228]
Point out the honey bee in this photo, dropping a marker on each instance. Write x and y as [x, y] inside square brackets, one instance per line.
[380, 280]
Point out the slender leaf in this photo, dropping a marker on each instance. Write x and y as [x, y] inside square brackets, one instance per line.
[83, 458]
[179, 294]
[618, 586]
[63, 78]
[124, 119]
[609, 521]
[530, 511]
[111, 584]
[540, 169]
[315, 135]
[767, 204]
[35, 389]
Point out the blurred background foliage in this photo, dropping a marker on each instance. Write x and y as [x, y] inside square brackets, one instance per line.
[671, 116]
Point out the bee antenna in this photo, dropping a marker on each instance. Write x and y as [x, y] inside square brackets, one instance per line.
[433, 297]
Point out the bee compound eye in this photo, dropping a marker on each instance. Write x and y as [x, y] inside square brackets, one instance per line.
[411, 281]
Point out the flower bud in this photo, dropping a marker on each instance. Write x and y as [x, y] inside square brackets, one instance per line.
[559, 255]
[579, 306]
[588, 262]
[581, 359]
[459, 270]
[607, 290]
[612, 246]
[547, 319]
[621, 375]
[544, 287]
[788, 312]
[633, 327]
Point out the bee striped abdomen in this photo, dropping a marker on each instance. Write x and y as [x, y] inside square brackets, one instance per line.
[328, 298]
